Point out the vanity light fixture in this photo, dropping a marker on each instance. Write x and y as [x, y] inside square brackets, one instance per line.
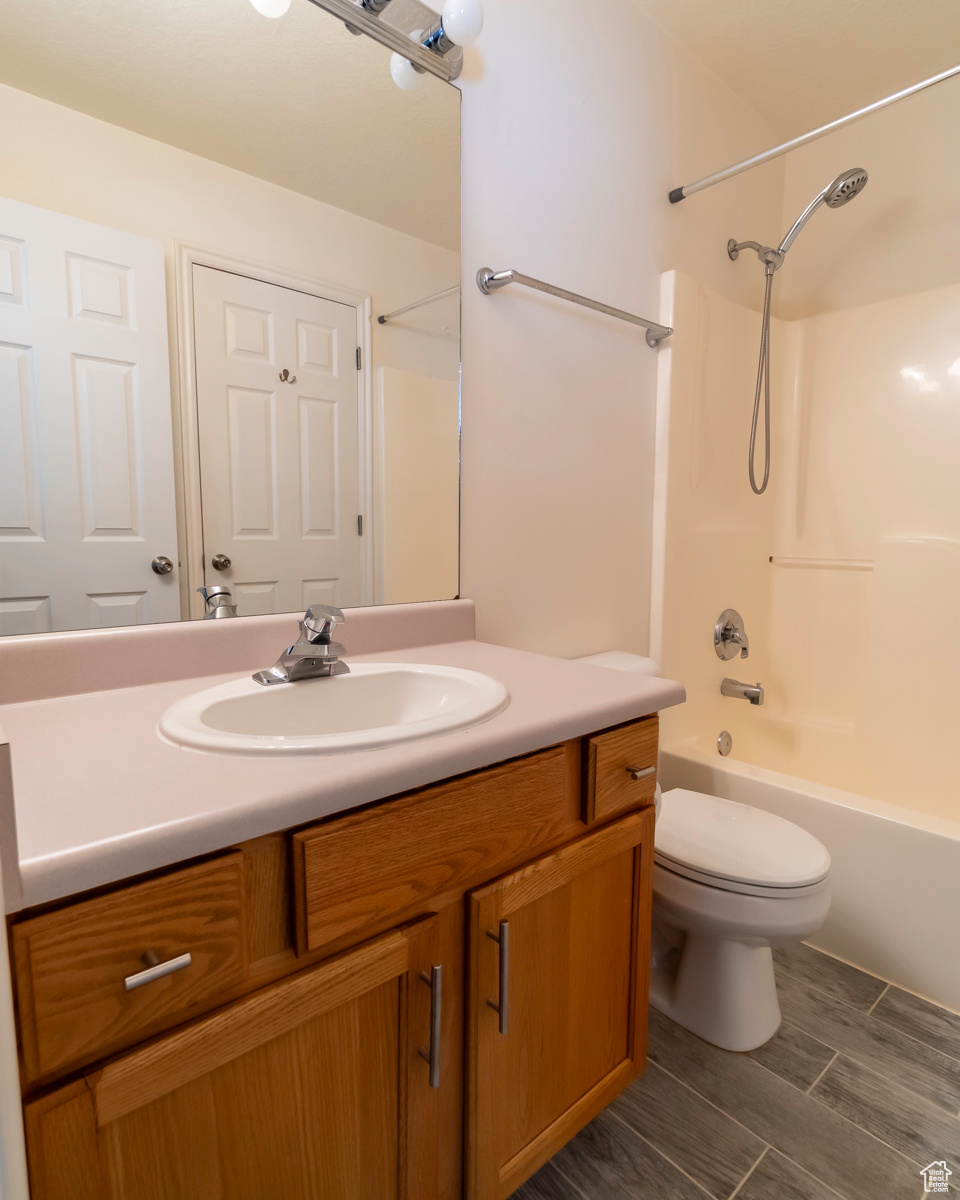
[271, 8]
[460, 24]
[408, 76]
[426, 44]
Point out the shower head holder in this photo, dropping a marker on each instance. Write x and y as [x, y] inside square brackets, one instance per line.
[772, 259]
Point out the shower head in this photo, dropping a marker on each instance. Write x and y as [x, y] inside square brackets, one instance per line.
[845, 187]
[838, 192]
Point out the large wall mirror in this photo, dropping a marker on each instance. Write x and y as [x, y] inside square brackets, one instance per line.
[204, 215]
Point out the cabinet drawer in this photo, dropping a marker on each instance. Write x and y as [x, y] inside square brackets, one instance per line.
[361, 873]
[609, 763]
[73, 965]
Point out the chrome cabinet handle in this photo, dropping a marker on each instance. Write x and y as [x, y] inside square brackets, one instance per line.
[641, 772]
[156, 970]
[432, 1056]
[500, 1007]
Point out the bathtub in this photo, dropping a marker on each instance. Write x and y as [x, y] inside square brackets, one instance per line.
[896, 872]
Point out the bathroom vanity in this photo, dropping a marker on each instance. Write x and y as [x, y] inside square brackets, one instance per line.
[422, 993]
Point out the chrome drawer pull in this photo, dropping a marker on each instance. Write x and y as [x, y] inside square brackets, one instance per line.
[156, 970]
[503, 941]
[433, 982]
[641, 772]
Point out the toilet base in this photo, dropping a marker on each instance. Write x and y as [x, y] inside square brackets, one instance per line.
[722, 990]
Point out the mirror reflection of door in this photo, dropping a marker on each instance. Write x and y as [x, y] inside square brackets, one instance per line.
[345, 189]
[278, 393]
[87, 499]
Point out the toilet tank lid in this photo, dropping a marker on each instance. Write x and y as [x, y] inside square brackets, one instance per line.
[623, 660]
[734, 841]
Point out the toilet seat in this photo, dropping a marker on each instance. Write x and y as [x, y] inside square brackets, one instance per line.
[735, 848]
[720, 884]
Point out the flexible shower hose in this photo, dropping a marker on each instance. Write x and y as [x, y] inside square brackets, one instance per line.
[763, 382]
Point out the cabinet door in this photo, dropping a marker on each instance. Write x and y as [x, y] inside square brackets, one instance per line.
[559, 964]
[313, 1087]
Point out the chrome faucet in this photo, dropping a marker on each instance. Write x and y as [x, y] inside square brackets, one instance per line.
[219, 602]
[742, 691]
[314, 655]
[730, 637]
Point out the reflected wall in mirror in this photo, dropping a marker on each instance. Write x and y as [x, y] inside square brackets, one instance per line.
[203, 215]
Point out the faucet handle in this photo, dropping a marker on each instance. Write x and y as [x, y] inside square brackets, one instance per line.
[319, 622]
[730, 637]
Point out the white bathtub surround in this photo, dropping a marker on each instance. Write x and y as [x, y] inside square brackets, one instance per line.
[116, 800]
[858, 535]
[895, 879]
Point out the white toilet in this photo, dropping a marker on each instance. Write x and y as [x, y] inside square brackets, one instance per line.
[729, 883]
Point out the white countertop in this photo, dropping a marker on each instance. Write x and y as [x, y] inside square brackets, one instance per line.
[99, 796]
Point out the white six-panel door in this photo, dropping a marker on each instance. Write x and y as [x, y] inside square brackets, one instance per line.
[279, 458]
[86, 449]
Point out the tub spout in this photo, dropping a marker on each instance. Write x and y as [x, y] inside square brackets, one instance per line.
[742, 691]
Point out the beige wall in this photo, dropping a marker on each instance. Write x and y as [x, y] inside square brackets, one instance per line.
[575, 127]
[418, 471]
[902, 234]
[60, 159]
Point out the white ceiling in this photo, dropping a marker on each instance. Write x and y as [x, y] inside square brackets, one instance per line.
[804, 63]
[298, 101]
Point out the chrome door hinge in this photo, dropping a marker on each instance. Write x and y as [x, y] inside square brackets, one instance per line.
[358, 358]
[360, 526]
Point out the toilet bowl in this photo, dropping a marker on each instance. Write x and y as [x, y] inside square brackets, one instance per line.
[730, 882]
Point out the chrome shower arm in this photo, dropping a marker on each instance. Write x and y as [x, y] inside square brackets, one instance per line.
[772, 259]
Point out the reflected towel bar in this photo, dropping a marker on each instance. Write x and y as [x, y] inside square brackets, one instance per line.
[489, 281]
[398, 312]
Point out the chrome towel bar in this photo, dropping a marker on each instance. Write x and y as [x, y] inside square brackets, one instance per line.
[489, 281]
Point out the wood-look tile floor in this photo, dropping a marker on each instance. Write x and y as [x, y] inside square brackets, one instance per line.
[857, 1092]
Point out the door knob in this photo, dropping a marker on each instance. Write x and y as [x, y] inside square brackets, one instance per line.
[161, 565]
[220, 562]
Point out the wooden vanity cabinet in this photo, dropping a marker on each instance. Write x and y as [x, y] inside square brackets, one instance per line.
[559, 962]
[367, 950]
[72, 964]
[313, 1087]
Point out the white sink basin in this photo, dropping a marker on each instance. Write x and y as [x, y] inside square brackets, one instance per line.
[376, 704]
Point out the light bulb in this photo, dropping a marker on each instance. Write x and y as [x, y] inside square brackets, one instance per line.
[271, 8]
[405, 75]
[462, 21]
